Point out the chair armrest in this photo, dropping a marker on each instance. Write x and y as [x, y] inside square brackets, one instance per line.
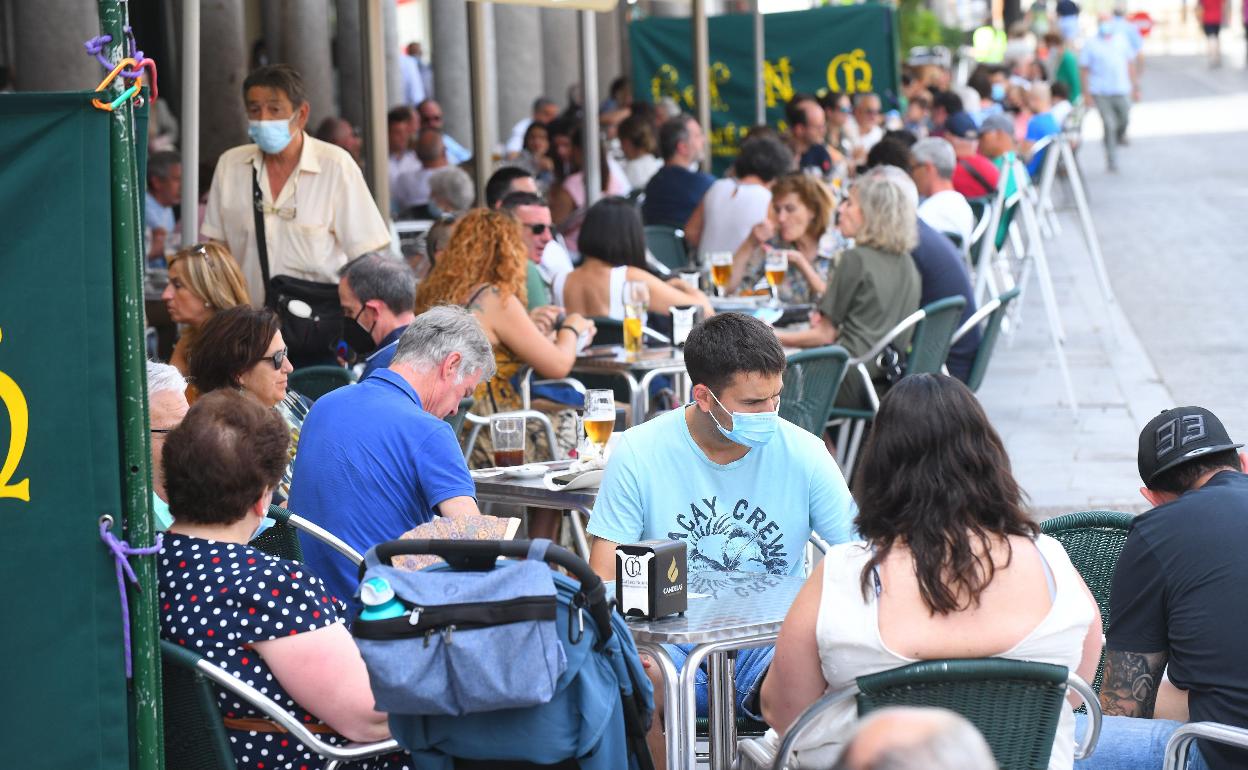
[976, 319]
[803, 723]
[1093, 702]
[906, 323]
[1181, 740]
[571, 382]
[297, 729]
[326, 537]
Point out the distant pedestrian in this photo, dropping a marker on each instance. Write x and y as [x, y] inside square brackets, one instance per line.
[1109, 78]
[1211, 19]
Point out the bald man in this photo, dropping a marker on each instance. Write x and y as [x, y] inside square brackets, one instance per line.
[915, 739]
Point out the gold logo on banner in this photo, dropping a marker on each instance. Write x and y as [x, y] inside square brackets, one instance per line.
[852, 64]
[672, 572]
[19, 423]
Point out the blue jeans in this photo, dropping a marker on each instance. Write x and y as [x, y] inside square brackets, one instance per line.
[1131, 744]
[751, 665]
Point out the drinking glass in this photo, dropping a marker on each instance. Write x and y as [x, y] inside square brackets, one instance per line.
[777, 266]
[721, 271]
[599, 418]
[507, 435]
[636, 301]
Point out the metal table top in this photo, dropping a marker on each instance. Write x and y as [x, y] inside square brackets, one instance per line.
[532, 491]
[618, 361]
[736, 604]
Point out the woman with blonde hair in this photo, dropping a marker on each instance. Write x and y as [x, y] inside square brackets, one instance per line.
[801, 211]
[483, 269]
[875, 284]
[203, 279]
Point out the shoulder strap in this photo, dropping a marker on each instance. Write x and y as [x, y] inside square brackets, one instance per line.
[476, 294]
[974, 172]
[262, 245]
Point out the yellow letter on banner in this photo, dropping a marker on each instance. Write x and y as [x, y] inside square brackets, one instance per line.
[778, 81]
[19, 422]
[850, 63]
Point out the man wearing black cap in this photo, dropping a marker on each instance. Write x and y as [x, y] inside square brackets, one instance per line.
[1180, 589]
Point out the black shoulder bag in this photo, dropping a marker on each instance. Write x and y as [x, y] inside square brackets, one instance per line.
[312, 332]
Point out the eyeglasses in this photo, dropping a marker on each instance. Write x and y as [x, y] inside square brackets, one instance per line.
[161, 431]
[540, 228]
[276, 359]
[287, 213]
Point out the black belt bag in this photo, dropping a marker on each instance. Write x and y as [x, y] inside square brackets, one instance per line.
[310, 311]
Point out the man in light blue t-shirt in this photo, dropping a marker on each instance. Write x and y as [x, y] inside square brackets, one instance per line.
[740, 486]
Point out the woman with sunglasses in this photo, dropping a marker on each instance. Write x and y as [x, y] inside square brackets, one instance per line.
[242, 348]
[203, 279]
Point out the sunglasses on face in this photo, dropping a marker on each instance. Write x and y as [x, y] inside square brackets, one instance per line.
[276, 359]
[538, 229]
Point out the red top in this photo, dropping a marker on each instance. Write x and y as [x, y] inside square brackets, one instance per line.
[1212, 11]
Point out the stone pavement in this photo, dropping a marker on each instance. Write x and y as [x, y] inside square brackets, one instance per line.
[1173, 232]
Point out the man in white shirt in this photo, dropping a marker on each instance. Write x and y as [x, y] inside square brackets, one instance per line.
[413, 84]
[544, 111]
[318, 212]
[944, 209]
[411, 188]
[868, 124]
[164, 190]
[401, 158]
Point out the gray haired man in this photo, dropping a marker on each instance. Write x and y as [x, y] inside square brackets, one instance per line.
[943, 208]
[166, 406]
[377, 294]
[376, 459]
[901, 738]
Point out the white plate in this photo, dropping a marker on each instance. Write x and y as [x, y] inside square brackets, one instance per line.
[486, 473]
[530, 471]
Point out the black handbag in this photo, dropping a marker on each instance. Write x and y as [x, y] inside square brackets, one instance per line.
[310, 311]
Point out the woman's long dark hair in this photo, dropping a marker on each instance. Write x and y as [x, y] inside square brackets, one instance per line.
[934, 476]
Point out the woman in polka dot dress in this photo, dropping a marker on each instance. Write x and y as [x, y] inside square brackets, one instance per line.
[267, 621]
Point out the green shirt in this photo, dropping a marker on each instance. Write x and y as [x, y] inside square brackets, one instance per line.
[536, 290]
[1068, 73]
[869, 292]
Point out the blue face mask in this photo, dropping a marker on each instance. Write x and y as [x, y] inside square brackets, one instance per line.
[1106, 29]
[271, 135]
[750, 429]
[265, 523]
[998, 92]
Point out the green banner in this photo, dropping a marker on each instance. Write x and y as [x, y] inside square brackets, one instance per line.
[843, 49]
[61, 652]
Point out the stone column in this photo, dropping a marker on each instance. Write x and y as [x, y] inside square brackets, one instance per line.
[347, 55]
[449, 24]
[305, 44]
[48, 45]
[223, 64]
[517, 46]
[271, 28]
[390, 30]
[561, 53]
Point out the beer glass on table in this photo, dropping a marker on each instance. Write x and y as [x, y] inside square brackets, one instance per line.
[777, 267]
[599, 419]
[507, 435]
[721, 271]
[636, 302]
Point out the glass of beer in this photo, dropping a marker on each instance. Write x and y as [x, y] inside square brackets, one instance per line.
[599, 419]
[507, 435]
[721, 271]
[636, 302]
[777, 267]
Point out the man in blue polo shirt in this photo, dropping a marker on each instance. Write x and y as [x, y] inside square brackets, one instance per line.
[376, 459]
[377, 294]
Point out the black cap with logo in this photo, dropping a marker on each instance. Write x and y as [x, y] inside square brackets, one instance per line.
[1178, 435]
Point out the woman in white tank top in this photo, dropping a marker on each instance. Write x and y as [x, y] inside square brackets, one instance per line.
[951, 567]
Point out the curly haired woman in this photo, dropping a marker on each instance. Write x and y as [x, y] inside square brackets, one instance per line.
[483, 269]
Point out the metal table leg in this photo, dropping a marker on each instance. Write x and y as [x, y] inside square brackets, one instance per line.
[578, 516]
[722, 726]
[688, 694]
[672, 707]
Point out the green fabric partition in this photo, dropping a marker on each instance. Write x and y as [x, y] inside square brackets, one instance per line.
[61, 660]
[843, 49]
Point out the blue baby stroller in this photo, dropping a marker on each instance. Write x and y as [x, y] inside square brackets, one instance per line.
[597, 701]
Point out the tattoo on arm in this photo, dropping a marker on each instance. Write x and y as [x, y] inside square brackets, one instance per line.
[1129, 687]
